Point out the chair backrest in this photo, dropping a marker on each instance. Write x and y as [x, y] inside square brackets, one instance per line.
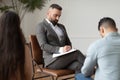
[38, 58]
[36, 50]
[28, 63]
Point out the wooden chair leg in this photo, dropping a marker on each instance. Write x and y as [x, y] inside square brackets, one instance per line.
[52, 77]
[55, 78]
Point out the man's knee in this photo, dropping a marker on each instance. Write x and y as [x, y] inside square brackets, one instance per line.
[80, 56]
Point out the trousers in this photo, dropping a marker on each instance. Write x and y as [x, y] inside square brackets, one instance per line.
[73, 61]
[80, 76]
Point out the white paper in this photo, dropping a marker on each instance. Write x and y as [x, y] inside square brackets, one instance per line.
[60, 54]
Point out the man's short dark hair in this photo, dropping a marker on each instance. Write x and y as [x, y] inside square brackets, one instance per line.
[56, 6]
[107, 20]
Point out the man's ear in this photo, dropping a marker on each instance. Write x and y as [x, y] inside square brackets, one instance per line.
[102, 30]
[48, 12]
[116, 29]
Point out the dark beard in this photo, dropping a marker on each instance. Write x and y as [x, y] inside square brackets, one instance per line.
[54, 22]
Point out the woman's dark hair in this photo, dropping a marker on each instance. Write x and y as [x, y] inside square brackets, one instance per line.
[12, 51]
[107, 20]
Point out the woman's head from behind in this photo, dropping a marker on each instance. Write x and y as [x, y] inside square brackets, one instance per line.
[11, 45]
[9, 23]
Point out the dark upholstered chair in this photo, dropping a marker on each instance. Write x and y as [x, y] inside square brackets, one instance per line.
[38, 63]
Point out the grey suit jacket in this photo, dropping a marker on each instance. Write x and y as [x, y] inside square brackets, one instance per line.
[49, 41]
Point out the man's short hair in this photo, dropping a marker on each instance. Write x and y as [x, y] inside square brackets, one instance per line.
[56, 6]
[107, 20]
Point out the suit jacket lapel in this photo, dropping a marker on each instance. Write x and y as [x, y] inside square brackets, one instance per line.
[51, 29]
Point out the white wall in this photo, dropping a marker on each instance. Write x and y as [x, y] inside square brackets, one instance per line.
[80, 18]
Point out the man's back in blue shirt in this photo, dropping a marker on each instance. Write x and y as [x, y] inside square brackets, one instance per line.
[104, 54]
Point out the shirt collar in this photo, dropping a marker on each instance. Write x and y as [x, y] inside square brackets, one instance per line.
[50, 23]
[111, 33]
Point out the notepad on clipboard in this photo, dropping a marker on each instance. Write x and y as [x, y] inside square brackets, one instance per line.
[60, 54]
